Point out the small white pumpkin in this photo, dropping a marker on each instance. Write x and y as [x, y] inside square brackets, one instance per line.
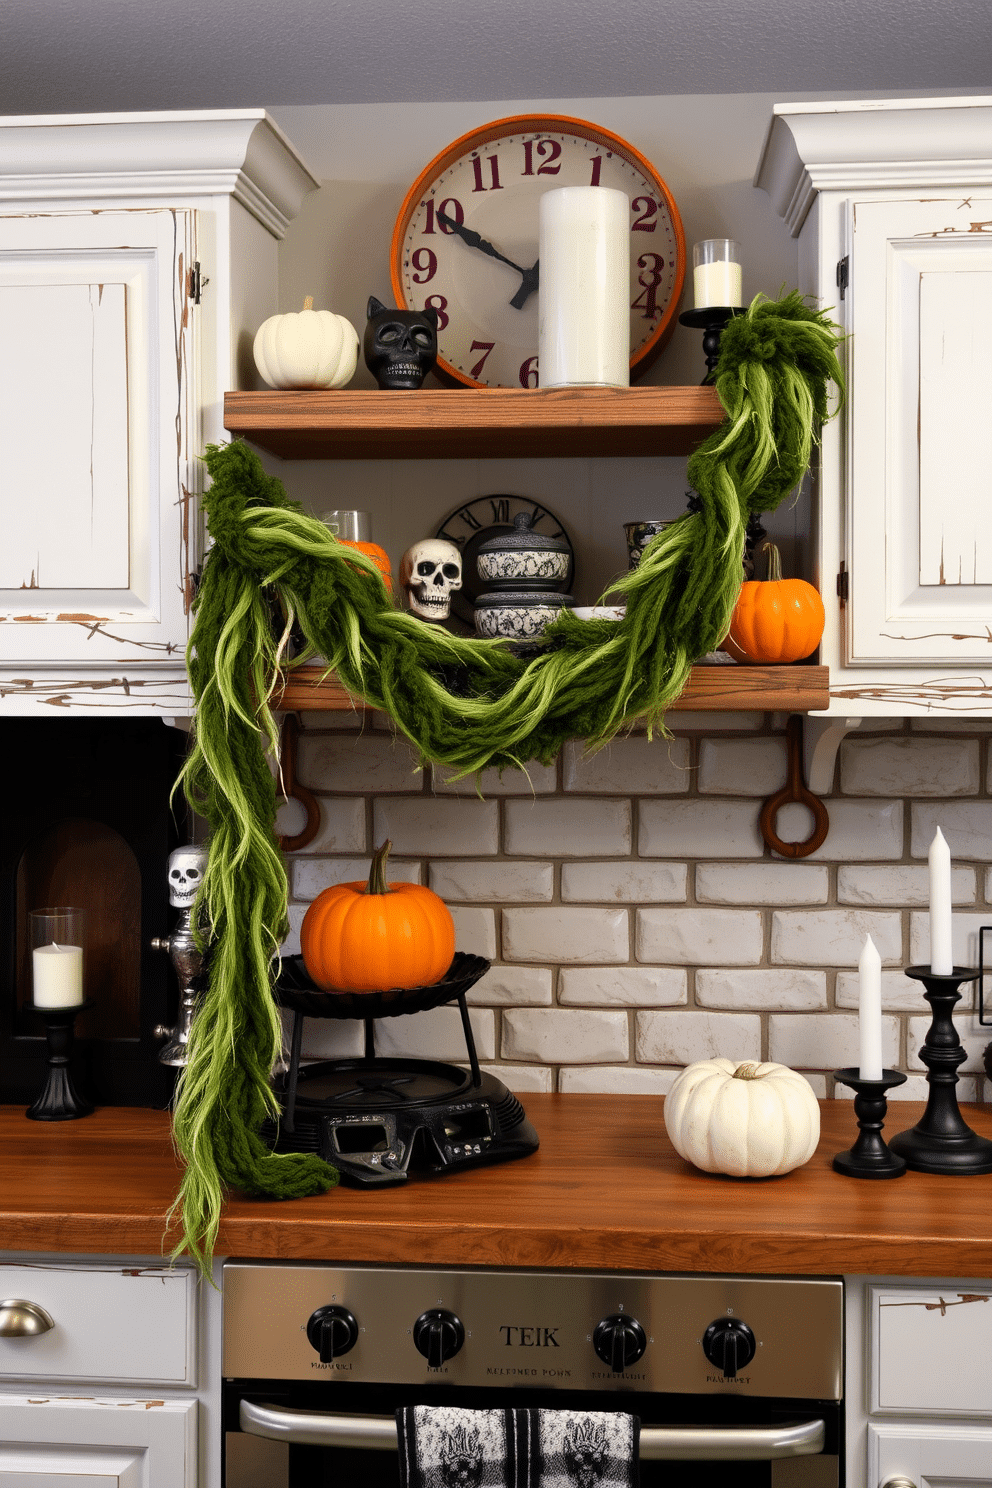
[747, 1120]
[308, 349]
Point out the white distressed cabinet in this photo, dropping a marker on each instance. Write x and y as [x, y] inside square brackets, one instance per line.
[138, 255]
[892, 203]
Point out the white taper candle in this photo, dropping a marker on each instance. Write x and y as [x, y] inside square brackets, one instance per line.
[584, 293]
[870, 1011]
[941, 956]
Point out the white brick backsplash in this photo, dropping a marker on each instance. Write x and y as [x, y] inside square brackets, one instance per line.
[683, 1038]
[632, 882]
[699, 829]
[520, 986]
[698, 937]
[619, 1079]
[568, 935]
[900, 994]
[964, 939]
[475, 931]
[761, 990]
[342, 827]
[566, 1037]
[834, 937]
[523, 1077]
[441, 827]
[372, 763]
[569, 828]
[900, 884]
[625, 986]
[951, 725]
[827, 1041]
[817, 1083]
[311, 875]
[634, 765]
[967, 825]
[514, 882]
[690, 721]
[761, 883]
[913, 766]
[915, 1089]
[974, 1038]
[291, 945]
[859, 830]
[436, 1034]
[534, 780]
[331, 1038]
[741, 767]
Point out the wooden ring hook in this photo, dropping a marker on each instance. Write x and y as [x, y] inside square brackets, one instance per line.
[795, 789]
[294, 790]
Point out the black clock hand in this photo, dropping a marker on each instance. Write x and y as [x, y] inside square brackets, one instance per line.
[474, 240]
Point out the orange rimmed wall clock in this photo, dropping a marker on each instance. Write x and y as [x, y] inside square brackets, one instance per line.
[466, 243]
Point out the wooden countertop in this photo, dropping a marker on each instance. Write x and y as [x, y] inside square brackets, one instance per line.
[606, 1191]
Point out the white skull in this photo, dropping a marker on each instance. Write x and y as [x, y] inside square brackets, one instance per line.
[186, 869]
[430, 572]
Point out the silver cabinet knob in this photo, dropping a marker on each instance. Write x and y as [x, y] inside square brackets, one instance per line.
[19, 1319]
[899, 1482]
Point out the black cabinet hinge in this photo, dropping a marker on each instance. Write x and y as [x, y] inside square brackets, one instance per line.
[196, 283]
[843, 274]
[843, 587]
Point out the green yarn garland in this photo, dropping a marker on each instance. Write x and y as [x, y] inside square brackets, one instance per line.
[465, 703]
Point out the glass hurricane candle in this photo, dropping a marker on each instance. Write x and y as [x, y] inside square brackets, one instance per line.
[717, 277]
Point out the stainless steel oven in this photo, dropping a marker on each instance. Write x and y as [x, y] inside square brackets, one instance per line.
[719, 1369]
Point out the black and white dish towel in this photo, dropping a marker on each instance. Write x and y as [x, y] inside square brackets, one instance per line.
[447, 1447]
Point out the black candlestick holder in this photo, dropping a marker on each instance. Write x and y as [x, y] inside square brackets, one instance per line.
[870, 1157]
[941, 1141]
[712, 321]
[59, 1099]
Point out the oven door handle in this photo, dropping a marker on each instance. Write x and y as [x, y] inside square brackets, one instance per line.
[658, 1443]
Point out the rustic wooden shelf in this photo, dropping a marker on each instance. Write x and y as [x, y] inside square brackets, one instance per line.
[711, 689]
[461, 423]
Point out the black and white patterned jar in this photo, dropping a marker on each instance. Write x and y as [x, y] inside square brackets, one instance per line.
[518, 614]
[524, 558]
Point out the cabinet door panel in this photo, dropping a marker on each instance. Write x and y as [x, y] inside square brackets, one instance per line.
[930, 1456]
[921, 442]
[58, 1441]
[95, 427]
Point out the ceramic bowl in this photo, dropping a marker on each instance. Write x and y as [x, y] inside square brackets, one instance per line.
[518, 615]
[600, 612]
[524, 558]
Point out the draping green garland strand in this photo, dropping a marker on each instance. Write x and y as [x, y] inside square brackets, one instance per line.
[465, 703]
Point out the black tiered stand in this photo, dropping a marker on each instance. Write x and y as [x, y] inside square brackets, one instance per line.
[59, 1100]
[941, 1141]
[869, 1157]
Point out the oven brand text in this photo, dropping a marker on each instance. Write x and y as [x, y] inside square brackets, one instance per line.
[520, 1337]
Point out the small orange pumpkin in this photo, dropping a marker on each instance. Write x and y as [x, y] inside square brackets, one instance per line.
[775, 620]
[378, 555]
[371, 937]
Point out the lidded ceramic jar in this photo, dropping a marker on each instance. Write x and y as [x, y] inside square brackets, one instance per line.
[523, 558]
[518, 614]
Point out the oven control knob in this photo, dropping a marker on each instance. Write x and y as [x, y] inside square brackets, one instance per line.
[332, 1330]
[729, 1345]
[438, 1335]
[619, 1340]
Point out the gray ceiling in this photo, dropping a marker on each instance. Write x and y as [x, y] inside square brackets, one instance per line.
[102, 55]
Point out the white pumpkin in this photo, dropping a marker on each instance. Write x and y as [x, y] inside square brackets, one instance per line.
[308, 349]
[748, 1120]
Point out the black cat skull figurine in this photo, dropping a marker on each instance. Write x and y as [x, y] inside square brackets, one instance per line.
[400, 346]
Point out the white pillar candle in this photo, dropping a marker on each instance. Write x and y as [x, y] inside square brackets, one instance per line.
[870, 1011]
[584, 292]
[941, 957]
[58, 975]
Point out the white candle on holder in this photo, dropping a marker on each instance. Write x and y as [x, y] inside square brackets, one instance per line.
[58, 975]
[870, 1011]
[941, 956]
[717, 277]
[584, 293]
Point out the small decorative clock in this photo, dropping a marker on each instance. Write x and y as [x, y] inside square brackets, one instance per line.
[466, 243]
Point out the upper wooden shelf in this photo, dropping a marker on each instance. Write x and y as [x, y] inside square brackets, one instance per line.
[464, 423]
[711, 689]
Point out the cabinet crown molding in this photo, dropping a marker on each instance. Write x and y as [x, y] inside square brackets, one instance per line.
[52, 159]
[872, 145]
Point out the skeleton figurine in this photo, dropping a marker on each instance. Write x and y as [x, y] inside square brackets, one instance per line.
[430, 572]
[186, 868]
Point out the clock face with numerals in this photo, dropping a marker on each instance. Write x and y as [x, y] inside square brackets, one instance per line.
[466, 243]
[492, 516]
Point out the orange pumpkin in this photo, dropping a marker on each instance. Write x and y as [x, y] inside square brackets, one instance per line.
[379, 557]
[371, 937]
[775, 620]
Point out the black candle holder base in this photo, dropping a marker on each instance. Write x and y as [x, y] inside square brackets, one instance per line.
[870, 1157]
[59, 1099]
[942, 1141]
[712, 321]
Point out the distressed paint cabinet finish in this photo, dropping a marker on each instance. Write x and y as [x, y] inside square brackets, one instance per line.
[896, 196]
[138, 254]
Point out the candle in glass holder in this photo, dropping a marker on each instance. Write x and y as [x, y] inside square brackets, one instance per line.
[57, 957]
[717, 277]
[870, 1011]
